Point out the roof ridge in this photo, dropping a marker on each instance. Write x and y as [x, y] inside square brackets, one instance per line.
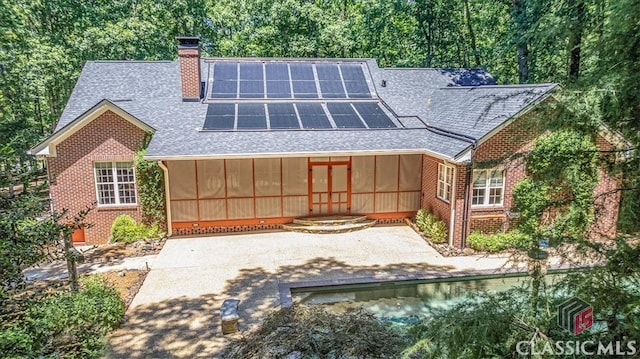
[132, 61]
[499, 86]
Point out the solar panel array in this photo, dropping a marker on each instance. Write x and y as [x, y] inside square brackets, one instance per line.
[296, 115]
[279, 80]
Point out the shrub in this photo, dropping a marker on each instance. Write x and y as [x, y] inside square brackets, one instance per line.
[150, 183]
[431, 226]
[498, 242]
[66, 324]
[126, 229]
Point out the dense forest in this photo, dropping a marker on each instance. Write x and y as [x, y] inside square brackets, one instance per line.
[592, 47]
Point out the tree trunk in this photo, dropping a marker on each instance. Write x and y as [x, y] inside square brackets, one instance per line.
[519, 12]
[575, 39]
[472, 35]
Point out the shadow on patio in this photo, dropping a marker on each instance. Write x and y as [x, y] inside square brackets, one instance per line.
[190, 327]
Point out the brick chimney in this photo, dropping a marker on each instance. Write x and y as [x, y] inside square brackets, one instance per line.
[189, 54]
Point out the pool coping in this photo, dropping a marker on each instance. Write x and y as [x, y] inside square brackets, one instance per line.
[286, 299]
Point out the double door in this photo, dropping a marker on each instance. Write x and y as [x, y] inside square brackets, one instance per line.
[329, 188]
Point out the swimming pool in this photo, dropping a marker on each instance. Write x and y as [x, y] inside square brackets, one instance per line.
[410, 300]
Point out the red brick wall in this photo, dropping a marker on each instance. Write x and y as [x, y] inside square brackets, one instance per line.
[430, 198]
[505, 149]
[458, 226]
[190, 72]
[106, 138]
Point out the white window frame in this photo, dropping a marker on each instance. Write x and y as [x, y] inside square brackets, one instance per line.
[486, 197]
[445, 182]
[116, 184]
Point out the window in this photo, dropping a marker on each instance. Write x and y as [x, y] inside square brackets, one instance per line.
[115, 183]
[445, 181]
[488, 187]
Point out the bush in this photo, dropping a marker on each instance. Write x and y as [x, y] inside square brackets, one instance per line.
[66, 324]
[126, 229]
[431, 226]
[497, 242]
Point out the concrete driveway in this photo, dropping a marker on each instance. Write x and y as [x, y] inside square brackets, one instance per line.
[176, 312]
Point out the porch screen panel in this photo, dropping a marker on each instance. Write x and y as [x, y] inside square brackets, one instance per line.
[386, 173]
[386, 202]
[184, 210]
[294, 176]
[268, 207]
[213, 209]
[239, 178]
[408, 201]
[240, 208]
[295, 206]
[182, 179]
[267, 176]
[211, 179]
[362, 174]
[410, 172]
[362, 203]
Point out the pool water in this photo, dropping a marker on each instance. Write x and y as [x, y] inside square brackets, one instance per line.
[408, 301]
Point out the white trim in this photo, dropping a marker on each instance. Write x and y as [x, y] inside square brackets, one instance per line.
[48, 147]
[297, 154]
[452, 204]
[167, 196]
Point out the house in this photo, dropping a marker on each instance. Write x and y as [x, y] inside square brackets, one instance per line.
[250, 144]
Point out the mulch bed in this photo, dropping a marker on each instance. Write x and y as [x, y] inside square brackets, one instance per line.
[113, 251]
[444, 249]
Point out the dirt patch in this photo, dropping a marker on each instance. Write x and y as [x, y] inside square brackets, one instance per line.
[112, 251]
[127, 283]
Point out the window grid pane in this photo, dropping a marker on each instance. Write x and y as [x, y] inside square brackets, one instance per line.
[488, 187]
[445, 181]
[111, 176]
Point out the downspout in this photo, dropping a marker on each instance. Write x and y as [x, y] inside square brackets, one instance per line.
[467, 197]
[166, 196]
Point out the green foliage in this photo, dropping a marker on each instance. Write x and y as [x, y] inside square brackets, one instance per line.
[150, 185]
[431, 226]
[125, 229]
[556, 201]
[65, 324]
[499, 241]
[316, 333]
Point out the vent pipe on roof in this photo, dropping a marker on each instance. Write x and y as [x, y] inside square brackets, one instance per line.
[189, 55]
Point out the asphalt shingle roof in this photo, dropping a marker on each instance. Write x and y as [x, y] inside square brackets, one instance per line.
[151, 92]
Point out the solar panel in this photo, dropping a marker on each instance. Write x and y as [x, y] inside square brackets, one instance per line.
[312, 116]
[278, 89]
[251, 116]
[282, 116]
[251, 89]
[344, 115]
[328, 72]
[373, 115]
[356, 89]
[301, 71]
[332, 89]
[220, 116]
[278, 71]
[225, 71]
[304, 89]
[251, 71]
[352, 72]
[224, 89]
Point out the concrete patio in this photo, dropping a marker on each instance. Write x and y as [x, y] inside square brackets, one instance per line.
[176, 312]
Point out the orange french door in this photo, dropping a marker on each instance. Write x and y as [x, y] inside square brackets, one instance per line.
[329, 188]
